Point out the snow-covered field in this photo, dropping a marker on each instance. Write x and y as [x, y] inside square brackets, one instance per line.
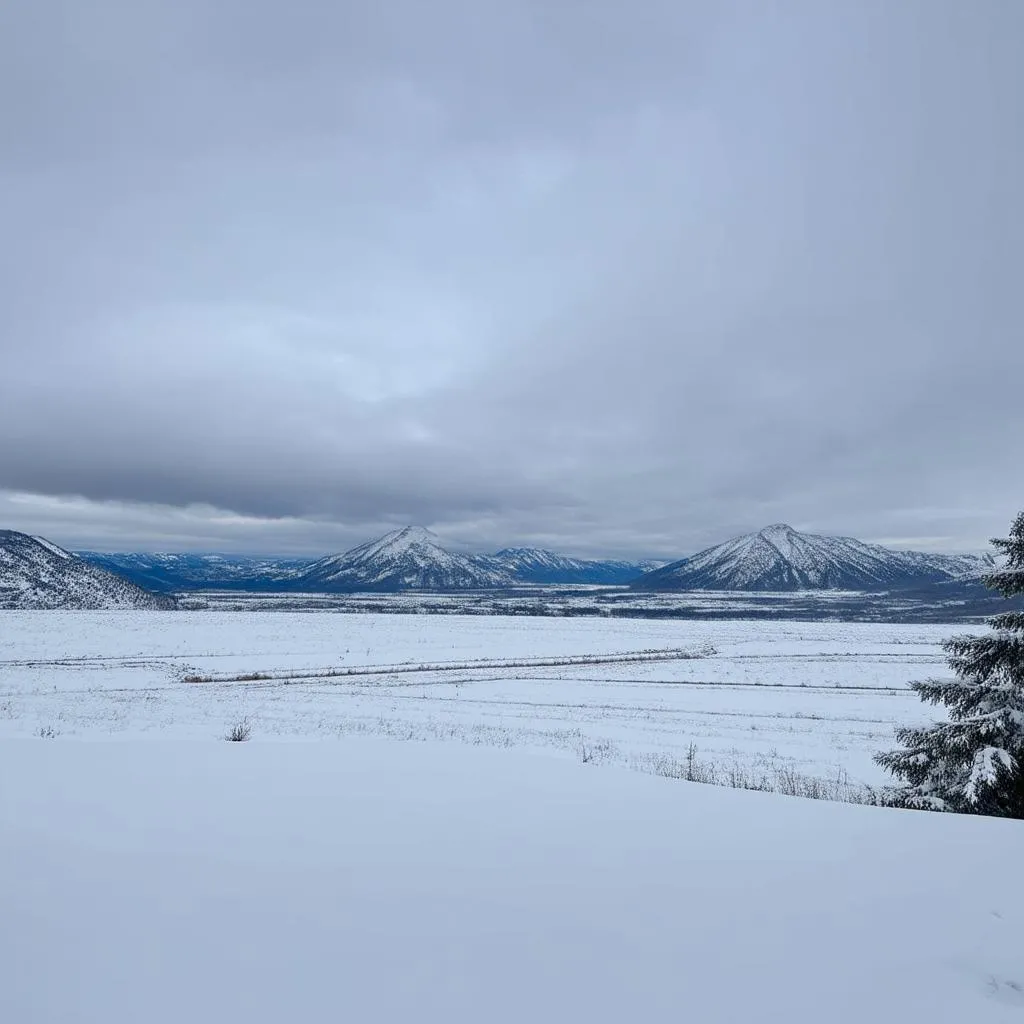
[151, 872]
[369, 880]
[815, 698]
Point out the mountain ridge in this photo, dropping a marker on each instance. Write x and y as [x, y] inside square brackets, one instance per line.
[776, 558]
[779, 558]
[540, 565]
[170, 572]
[36, 574]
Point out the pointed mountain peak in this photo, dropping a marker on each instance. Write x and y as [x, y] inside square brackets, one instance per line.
[407, 558]
[415, 533]
[776, 530]
[409, 536]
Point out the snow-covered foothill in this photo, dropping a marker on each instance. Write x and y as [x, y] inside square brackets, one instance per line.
[37, 574]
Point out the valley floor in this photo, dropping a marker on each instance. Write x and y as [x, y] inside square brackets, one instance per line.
[748, 699]
[939, 603]
[369, 855]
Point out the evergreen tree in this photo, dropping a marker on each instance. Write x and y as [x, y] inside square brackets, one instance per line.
[973, 763]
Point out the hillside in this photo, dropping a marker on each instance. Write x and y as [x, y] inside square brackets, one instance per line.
[778, 558]
[35, 574]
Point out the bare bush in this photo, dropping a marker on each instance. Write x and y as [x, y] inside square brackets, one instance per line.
[596, 751]
[239, 732]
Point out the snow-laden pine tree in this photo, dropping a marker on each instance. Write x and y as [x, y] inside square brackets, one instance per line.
[973, 763]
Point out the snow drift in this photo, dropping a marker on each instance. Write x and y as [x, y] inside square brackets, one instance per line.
[371, 881]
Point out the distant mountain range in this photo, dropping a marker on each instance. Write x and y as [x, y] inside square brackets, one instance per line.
[778, 558]
[538, 565]
[168, 572]
[35, 574]
[408, 559]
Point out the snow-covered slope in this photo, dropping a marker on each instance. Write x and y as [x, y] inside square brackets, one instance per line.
[172, 572]
[34, 573]
[538, 565]
[408, 559]
[167, 881]
[780, 558]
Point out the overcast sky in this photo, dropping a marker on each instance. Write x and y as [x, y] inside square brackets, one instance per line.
[614, 276]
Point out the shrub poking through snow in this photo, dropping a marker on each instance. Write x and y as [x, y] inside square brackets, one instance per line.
[239, 732]
[974, 762]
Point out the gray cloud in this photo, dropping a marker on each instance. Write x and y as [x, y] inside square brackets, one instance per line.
[605, 276]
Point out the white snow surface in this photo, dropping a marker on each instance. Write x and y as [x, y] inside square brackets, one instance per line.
[780, 558]
[370, 881]
[449, 832]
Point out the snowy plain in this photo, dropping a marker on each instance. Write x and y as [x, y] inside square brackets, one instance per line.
[427, 824]
[379, 881]
[820, 698]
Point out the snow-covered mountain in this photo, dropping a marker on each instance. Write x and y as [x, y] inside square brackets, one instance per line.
[538, 565]
[37, 574]
[169, 572]
[779, 558]
[408, 559]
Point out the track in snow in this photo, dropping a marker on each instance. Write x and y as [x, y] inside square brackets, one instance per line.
[478, 664]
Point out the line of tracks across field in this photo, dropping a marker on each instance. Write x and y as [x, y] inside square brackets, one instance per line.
[480, 664]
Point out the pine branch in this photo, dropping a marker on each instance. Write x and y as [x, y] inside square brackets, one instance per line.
[1008, 581]
[1012, 622]
[999, 653]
